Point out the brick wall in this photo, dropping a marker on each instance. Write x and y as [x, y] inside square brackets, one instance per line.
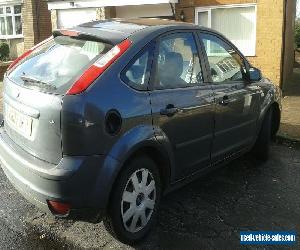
[36, 22]
[270, 17]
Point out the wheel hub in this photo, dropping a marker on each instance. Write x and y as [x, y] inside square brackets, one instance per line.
[139, 199]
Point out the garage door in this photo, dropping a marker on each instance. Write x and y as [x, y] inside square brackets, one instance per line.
[150, 10]
[70, 18]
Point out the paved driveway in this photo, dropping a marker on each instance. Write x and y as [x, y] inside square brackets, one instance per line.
[207, 214]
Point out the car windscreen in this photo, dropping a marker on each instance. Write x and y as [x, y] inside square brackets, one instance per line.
[54, 66]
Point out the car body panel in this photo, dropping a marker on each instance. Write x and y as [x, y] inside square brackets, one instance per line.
[190, 131]
[44, 112]
[84, 160]
[235, 122]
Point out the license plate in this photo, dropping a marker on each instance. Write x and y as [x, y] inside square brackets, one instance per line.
[18, 121]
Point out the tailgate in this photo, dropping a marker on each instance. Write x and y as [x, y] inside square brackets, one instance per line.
[32, 121]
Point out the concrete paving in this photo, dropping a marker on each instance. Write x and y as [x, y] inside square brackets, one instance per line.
[290, 120]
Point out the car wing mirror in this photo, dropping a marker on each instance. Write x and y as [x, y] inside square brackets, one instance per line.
[254, 74]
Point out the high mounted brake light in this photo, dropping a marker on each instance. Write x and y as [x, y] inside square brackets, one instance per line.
[27, 53]
[69, 32]
[95, 70]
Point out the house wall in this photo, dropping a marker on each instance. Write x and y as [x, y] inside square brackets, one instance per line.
[36, 22]
[289, 48]
[269, 42]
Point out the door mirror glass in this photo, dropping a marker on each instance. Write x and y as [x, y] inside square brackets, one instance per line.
[254, 75]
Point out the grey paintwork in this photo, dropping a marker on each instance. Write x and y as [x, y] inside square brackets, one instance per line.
[75, 160]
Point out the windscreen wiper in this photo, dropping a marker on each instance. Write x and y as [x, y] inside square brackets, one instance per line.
[29, 80]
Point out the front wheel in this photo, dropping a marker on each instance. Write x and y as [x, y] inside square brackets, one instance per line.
[261, 148]
[134, 201]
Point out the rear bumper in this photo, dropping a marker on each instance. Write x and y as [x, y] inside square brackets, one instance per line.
[73, 180]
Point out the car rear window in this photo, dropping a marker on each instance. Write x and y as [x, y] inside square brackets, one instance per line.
[54, 66]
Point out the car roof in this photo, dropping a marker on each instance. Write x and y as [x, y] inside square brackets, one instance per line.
[130, 26]
[115, 30]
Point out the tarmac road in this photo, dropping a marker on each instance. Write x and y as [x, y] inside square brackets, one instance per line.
[207, 214]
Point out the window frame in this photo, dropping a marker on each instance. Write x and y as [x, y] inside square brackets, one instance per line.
[229, 43]
[209, 9]
[201, 55]
[13, 15]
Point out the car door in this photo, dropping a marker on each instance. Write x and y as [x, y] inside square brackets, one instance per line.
[181, 101]
[236, 99]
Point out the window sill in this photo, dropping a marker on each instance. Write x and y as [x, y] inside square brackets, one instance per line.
[11, 37]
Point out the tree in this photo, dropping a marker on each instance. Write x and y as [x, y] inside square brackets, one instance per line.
[297, 32]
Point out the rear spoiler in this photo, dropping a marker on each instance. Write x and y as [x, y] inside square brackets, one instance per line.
[91, 34]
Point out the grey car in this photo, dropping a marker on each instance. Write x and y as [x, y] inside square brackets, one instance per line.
[102, 120]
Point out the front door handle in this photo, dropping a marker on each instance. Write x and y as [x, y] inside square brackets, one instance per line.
[225, 101]
[169, 111]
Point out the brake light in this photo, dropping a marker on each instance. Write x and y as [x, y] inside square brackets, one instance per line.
[69, 32]
[27, 53]
[59, 208]
[95, 70]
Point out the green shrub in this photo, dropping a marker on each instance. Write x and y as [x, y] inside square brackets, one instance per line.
[297, 33]
[4, 51]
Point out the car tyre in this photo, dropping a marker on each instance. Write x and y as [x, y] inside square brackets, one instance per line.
[134, 201]
[261, 147]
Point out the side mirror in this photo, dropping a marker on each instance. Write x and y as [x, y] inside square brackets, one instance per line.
[254, 75]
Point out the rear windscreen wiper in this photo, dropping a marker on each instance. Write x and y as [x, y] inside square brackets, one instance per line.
[29, 80]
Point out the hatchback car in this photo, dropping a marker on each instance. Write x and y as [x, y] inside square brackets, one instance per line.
[101, 120]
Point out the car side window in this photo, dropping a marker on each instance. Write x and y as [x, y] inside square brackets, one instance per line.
[178, 64]
[137, 73]
[226, 65]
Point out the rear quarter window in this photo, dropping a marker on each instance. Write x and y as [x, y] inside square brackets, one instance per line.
[137, 72]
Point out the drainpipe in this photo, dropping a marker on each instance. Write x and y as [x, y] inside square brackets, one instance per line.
[37, 12]
[281, 84]
[173, 10]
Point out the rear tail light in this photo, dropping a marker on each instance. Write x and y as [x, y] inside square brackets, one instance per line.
[27, 53]
[94, 71]
[59, 208]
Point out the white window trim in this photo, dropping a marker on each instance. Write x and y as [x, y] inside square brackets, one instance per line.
[208, 9]
[11, 5]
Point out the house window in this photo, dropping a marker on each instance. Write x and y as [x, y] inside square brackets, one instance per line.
[10, 21]
[236, 22]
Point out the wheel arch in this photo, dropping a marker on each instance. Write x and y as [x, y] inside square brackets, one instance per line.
[138, 141]
[276, 117]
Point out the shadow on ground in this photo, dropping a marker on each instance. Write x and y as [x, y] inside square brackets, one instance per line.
[210, 212]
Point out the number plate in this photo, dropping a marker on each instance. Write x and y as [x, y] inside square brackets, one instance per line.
[18, 121]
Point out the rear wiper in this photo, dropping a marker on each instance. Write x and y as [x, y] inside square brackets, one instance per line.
[29, 80]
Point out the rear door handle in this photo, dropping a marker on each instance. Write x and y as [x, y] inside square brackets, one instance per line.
[169, 111]
[225, 101]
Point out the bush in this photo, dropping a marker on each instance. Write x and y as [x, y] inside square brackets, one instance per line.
[4, 51]
[297, 33]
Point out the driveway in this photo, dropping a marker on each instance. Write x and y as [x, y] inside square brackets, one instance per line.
[207, 214]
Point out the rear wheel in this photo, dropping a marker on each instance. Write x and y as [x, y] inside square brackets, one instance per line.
[134, 201]
[261, 148]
